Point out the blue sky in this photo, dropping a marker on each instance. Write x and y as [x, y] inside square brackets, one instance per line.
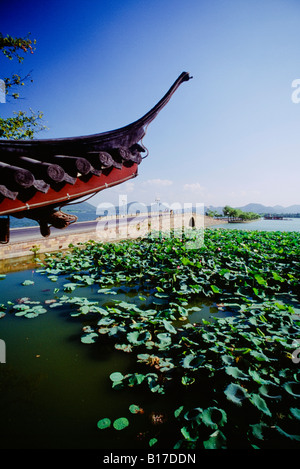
[231, 135]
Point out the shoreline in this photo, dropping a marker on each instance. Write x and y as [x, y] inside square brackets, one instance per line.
[209, 221]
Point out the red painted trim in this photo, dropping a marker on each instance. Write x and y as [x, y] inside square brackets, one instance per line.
[69, 191]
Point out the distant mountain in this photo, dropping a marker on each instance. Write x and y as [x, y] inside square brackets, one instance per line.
[259, 208]
[83, 210]
[86, 211]
[262, 209]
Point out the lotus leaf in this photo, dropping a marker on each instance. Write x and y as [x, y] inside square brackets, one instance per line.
[287, 435]
[214, 417]
[21, 313]
[257, 377]
[192, 361]
[138, 338]
[209, 337]
[260, 403]
[295, 412]
[70, 286]
[31, 315]
[217, 440]
[257, 430]
[235, 393]
[270, 391]
[116, 376]
[260, 356]
[194, 415]
[252, 275]
[178, 411]
[135, 379]
[187, 380]
[165, 340]
[105, 321]
[189, 434]
[292, 388]
[236, 373]
[89, 338]
[28, 282]
[123, 347]
[168, 326]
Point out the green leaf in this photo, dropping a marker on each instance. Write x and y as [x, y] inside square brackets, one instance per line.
[214, 417]
[295, 412]
[194, 415]
[178, 411]
[217, 440]
[257, 377]
[260, 280]
[293, 388]
[209, 337]
[188, 434]
[136, 379]
[215, 289]
[164, 340]
[31, 315]
[127, 348]
[235, 372]
[138, 337]
[193, 361]
[270, 391]
[89, 338]
[187, 380]
[70, 286]
[277, 277]
[260, 403]
[116, 376]
[257, 430]
[235, 393]
[287, 435]
[259, 356]
[28, 282]
[168, 326]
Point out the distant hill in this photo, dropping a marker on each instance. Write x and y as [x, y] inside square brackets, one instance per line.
[262, 209]
[83, 210]
[86, 211]
[259, 208]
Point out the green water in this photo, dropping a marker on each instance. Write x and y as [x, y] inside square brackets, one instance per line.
[53, 388]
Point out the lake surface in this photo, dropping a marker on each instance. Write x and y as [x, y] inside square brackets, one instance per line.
[289, 224]
[54, 388]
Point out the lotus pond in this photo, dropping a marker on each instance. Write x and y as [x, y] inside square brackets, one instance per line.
[152, 344]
